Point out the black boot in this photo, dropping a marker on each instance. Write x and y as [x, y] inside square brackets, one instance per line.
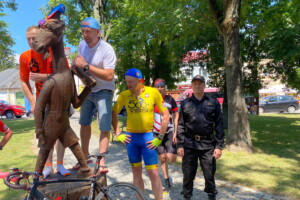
[211, 197]
[168, 184]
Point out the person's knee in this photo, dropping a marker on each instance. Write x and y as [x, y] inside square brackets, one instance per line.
[172, 158]
[153, 174]
[163, 158]
[105, 134]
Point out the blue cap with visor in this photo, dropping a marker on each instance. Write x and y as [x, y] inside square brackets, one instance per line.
[134, 72]
[90, 23]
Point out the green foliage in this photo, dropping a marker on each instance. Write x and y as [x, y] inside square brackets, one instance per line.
[6, 41]
[273, 28]
[155, 35]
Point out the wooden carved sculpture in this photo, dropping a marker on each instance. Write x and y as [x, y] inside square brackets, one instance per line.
[58, 92]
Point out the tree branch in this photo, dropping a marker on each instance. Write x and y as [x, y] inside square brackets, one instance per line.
[217, 13]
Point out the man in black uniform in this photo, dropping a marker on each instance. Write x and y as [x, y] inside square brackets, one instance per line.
[200, 136]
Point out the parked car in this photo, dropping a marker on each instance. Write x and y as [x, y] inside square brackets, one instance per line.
[11, 111]
[278, 103]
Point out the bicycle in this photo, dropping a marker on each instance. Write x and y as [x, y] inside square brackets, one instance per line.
[115, 191]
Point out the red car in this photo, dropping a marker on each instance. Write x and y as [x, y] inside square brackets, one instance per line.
[11, 111]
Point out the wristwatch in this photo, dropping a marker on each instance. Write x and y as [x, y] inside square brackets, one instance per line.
[86, 67]
[161, 136]
[1, 147]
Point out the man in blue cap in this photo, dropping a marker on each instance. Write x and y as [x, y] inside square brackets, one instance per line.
[139, 101]
[98, 59]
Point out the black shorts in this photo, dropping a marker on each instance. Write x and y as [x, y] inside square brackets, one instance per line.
[167, 145]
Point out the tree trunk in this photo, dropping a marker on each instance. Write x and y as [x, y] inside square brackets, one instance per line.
[238, 138]
[238, 124]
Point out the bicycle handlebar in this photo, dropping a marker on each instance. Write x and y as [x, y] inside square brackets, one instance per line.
[16, 177]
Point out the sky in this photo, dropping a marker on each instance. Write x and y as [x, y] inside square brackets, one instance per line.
[27, 14]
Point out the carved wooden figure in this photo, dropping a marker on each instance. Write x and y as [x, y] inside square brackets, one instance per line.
[58, 92]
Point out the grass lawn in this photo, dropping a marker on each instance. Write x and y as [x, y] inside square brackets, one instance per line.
[275, 165]
[17, 153]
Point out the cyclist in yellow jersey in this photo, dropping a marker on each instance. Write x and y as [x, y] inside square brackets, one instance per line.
[139, 101]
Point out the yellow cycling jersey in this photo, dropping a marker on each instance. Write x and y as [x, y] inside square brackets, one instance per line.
[140, 110]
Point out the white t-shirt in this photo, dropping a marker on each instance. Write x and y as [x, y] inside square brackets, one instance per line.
[102, 56]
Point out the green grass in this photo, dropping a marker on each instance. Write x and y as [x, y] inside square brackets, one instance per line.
[17, 153]
[275, 165]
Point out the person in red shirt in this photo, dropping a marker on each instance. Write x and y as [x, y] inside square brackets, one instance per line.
[35, 68]
[7, 132]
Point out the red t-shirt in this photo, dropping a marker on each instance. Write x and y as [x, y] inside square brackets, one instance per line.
[3, 128]
[31, 61]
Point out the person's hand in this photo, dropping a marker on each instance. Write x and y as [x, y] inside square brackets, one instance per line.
[153, 144]
[180, 152]
[123, 138]
[37, 77]
[174, 139]
[79, 61]
[217, 153]
[32, 108]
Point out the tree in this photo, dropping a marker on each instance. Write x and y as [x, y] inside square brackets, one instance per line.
[227, 19]
[76, 11]
[6, 41]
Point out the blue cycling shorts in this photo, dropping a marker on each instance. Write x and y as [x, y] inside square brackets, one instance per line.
[137, 149]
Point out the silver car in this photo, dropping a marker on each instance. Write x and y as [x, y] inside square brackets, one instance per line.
[278, 103]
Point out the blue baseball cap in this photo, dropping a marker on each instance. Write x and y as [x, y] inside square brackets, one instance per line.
[59, 8]
[134, 72]
[90, 23]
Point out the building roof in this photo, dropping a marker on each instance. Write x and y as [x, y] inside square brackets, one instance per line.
[10, 79]
[194, 56]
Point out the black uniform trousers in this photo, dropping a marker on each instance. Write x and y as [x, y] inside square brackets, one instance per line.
[189, 169]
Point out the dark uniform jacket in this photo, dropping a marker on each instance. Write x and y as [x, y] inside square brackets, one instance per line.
[200, 124]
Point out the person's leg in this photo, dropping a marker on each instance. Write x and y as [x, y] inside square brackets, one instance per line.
[85, 136]
[103, 145]
[137, 176]
[48, 168]
[60, 151]
[208, 165]
[86, 116]
[103, 100]
[170, 157]
[134, 154]
[164, 165]
[189, 170]
[155, 183]
[150, 157]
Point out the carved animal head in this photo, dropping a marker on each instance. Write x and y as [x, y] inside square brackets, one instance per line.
[50, 35]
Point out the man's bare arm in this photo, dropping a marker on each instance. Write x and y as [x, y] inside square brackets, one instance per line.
[28, 93]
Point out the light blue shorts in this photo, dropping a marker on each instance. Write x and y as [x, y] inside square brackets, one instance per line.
[102, 101]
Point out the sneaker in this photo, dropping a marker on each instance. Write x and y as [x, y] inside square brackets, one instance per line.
[168, 183]
[77, 166]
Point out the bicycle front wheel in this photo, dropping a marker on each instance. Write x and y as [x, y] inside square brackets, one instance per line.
[121, 191]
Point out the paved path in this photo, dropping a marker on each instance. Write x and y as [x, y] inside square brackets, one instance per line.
[120, 170]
